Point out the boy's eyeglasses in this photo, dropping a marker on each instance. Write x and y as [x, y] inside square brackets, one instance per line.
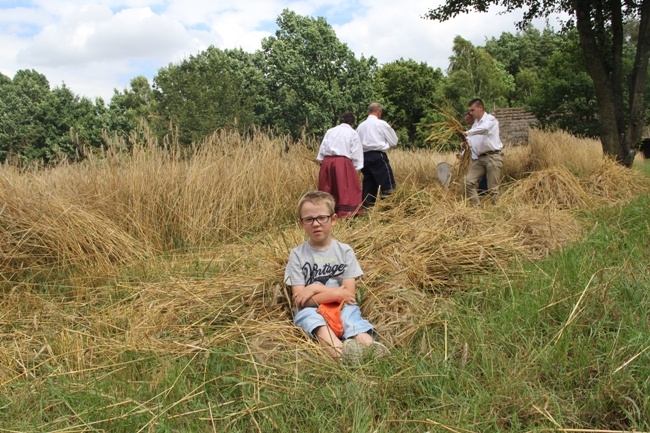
[309, 221]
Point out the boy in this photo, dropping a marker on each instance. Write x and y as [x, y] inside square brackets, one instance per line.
[323, 270]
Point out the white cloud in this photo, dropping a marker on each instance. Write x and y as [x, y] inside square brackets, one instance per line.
[397, 30]
[94, 34]
[95, 46]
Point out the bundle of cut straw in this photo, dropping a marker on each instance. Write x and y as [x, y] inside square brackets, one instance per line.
[444, 131]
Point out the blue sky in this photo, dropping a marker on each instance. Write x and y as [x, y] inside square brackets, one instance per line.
[96, 46]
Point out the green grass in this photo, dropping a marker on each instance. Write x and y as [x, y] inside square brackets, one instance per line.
[561, 342]
[643, 166]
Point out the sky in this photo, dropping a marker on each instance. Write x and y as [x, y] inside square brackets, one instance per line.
[97, 46]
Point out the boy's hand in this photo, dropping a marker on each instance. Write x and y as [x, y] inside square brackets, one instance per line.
[302, 296]
[348, 297]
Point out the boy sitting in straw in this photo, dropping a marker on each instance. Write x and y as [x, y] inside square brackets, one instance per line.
[322, 273]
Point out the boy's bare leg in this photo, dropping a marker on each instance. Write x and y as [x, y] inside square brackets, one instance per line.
[330, 343]
[364, 338]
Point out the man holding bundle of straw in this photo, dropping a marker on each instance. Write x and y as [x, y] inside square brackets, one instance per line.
[483, 138]
[467, 147]
[377, 136]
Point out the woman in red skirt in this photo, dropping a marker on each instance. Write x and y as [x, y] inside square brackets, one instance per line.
[341, 157]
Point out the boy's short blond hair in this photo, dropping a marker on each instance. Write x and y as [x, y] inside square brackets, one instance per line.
[317, 198]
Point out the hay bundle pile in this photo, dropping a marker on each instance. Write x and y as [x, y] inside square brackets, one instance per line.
[177, 317]
[612, 183]
[444, 131]
[554, 187]
[435, 242]
[541, 231]
[417, 168]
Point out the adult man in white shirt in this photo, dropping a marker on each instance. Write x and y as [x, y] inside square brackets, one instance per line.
[467, 147]
[340, 157]
[377, 136]
[485, 143]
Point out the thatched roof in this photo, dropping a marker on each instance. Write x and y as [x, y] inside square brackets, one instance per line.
[514, 124]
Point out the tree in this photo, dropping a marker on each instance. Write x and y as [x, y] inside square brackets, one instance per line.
[67, 122]
[37, 123]
[523, 55]
[474, 73]
[564, 96]
[409, 90]
[600, 26]
[312, 76]
[20, 99]
[207, 92]
[130, 107]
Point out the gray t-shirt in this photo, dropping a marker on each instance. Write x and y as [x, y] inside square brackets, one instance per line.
[307, 265]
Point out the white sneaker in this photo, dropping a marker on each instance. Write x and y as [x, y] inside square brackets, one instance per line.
[376, 350]
[355, 353]
[352, 352]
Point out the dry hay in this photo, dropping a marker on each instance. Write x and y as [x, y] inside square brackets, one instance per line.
[444, 131]
[174, 318]
[447, 131]
[639, 159]
[612, 183]
[459, 171]
[417, 168]
[516, 162]
[555, 187]
[416, 247]
[581, 156]
[429, 248]
[433, 244]
[42, 234]
[541, 231]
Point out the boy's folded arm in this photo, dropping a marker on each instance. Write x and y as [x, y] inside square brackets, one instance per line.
[334, 294]
[303, 296]
[316, 293]
[344, 293]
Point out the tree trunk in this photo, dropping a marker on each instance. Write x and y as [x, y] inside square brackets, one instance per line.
[635, 124]
[597, 69]
[618, 136]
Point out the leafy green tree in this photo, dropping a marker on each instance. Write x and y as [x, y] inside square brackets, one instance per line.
[600, 26]
[20, 99]
[208, 91]
[66, 122]
[312, 76]
[39, 124]
[526, 49]
[409, 90]
[565, 96]
[130, 107]
[474, 73]
[8, 123]
[523, 55]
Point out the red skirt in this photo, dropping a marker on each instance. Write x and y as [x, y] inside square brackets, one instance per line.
[338, 177]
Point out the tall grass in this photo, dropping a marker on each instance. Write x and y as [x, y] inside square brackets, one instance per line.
[144, 292]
